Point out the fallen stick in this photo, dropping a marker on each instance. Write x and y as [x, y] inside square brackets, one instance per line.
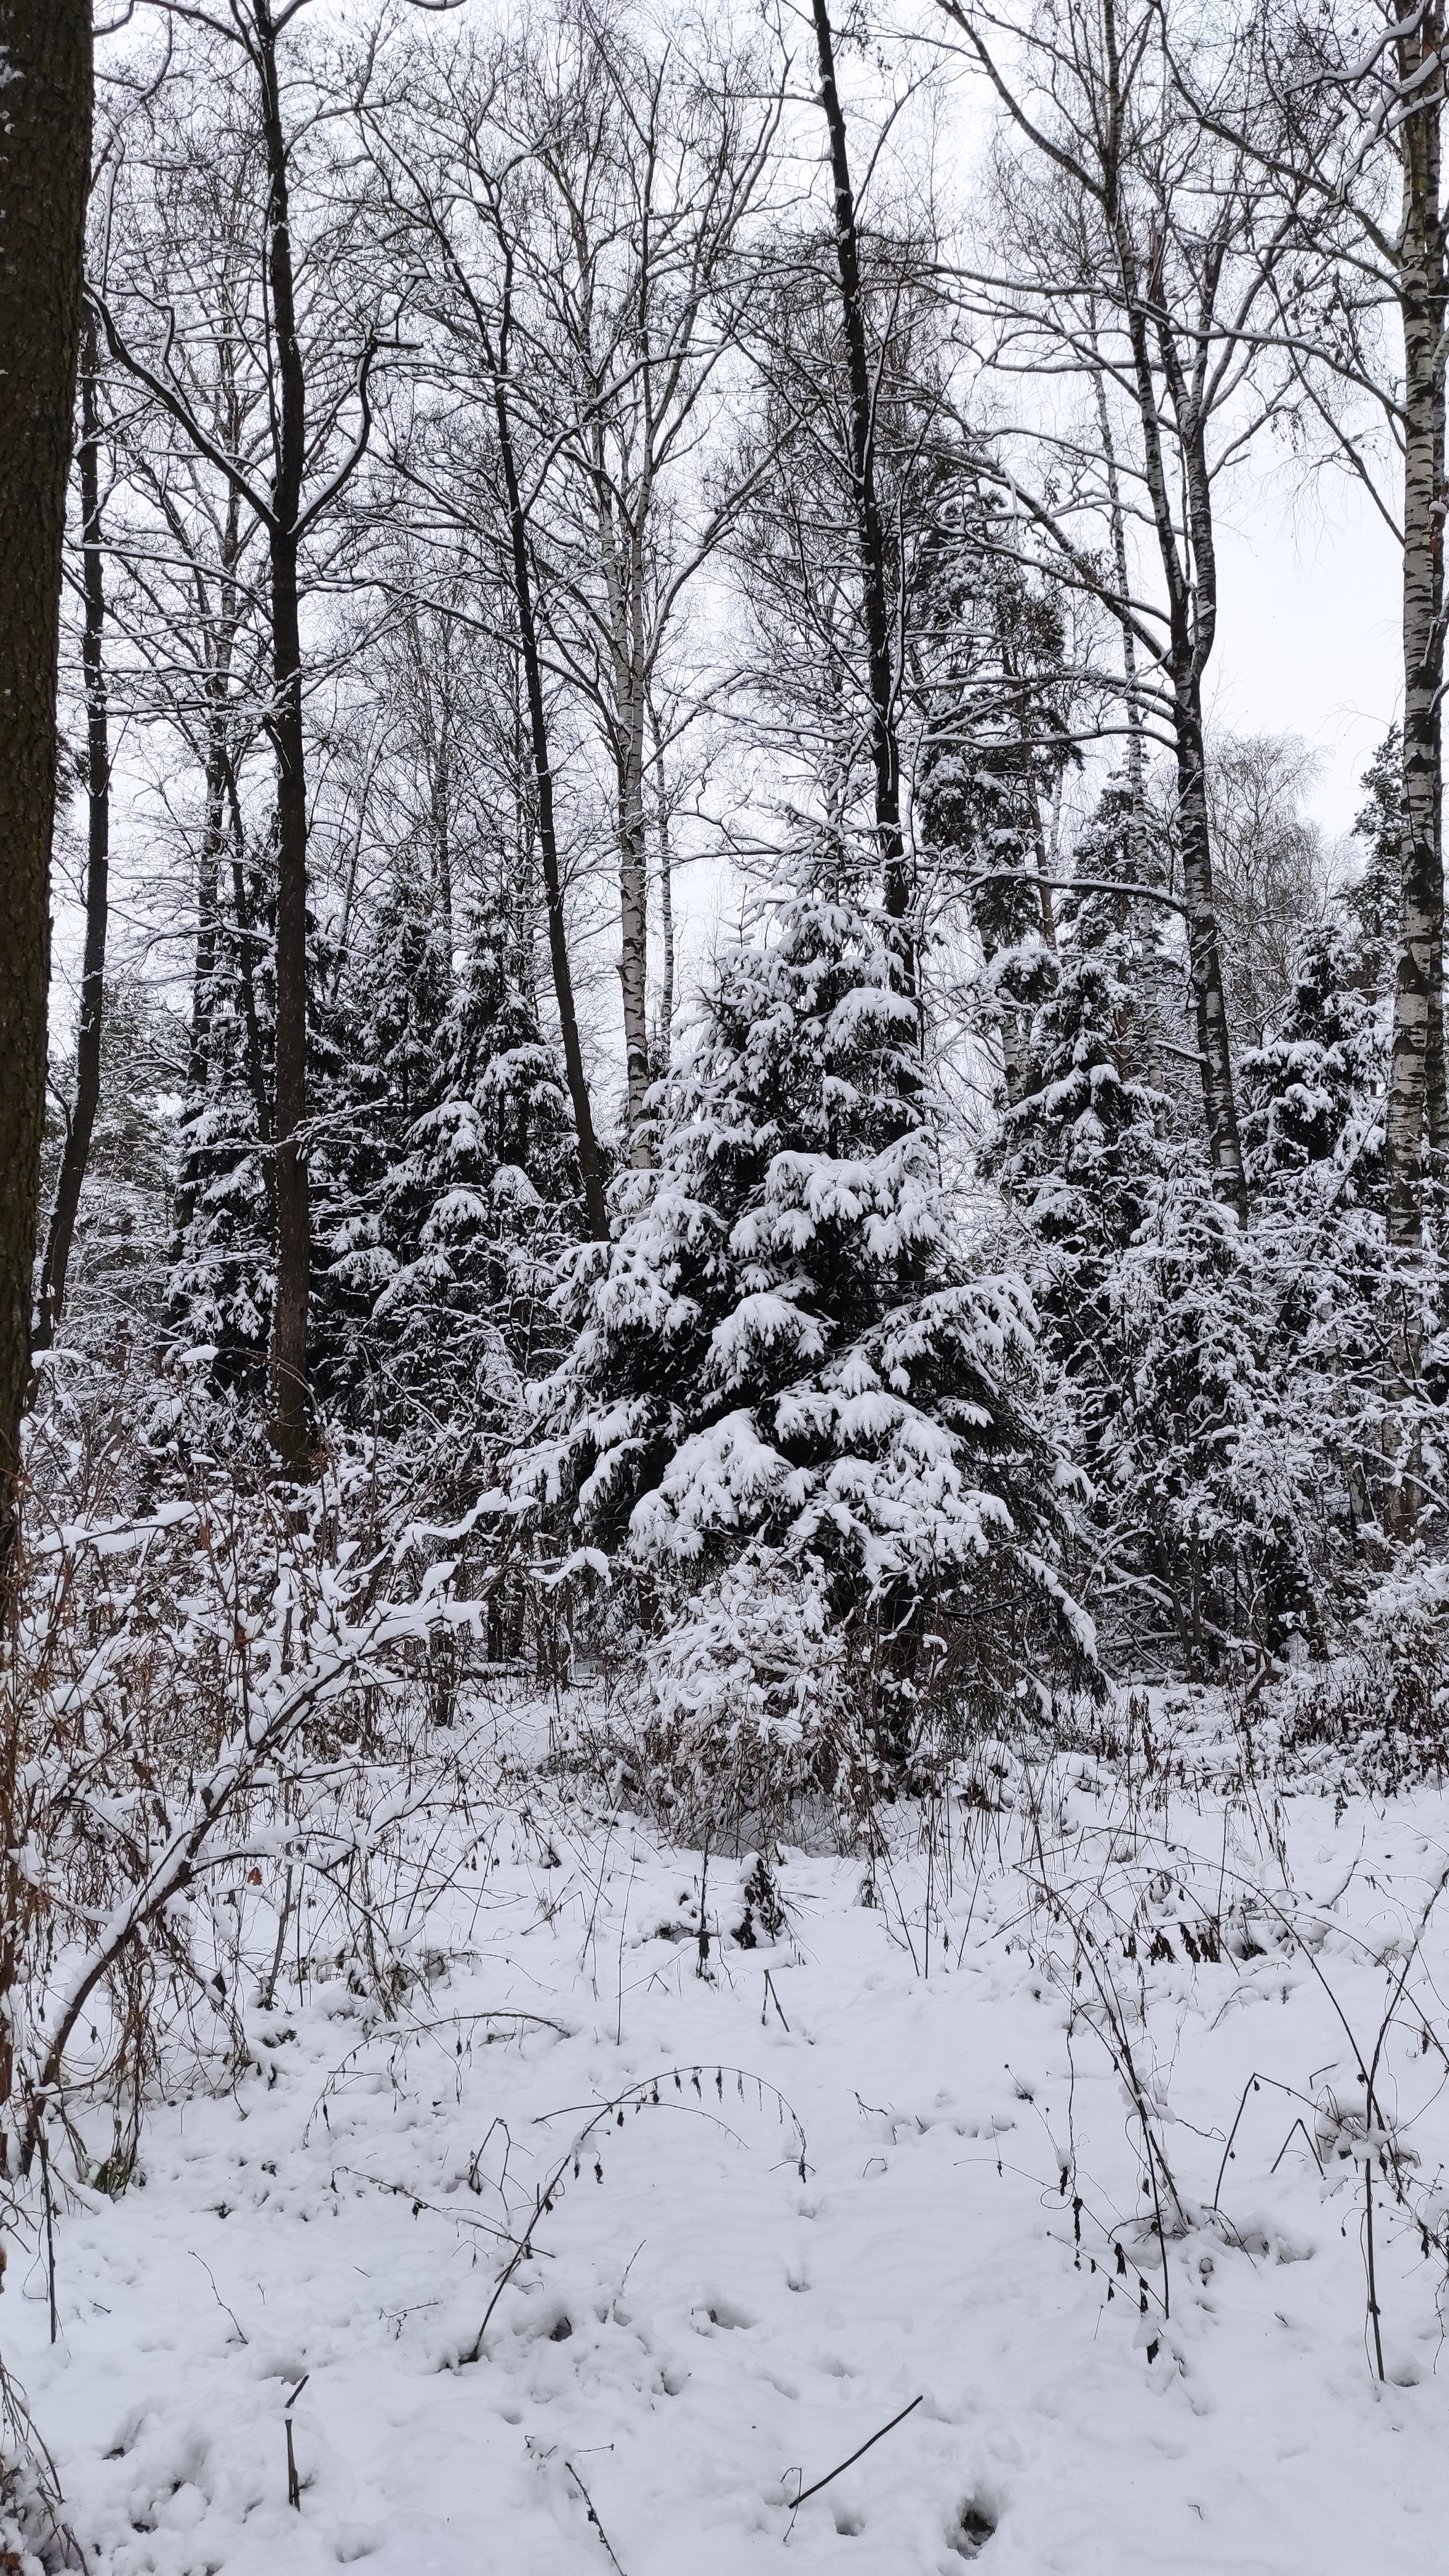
[807, 2492]
[589, 2509]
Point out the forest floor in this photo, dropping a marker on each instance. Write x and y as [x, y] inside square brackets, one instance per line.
[837, 2175]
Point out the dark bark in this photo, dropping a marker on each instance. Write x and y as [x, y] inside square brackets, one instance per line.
[44, 157]
[287, 1356]
[45, 46]
[884, 746]
[61, 1231]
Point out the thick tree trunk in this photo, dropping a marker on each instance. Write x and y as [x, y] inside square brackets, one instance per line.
[61, 1231]
[45, 46]
[1414, 1075]
[44, 166]
[590, 1169]
[885, 749]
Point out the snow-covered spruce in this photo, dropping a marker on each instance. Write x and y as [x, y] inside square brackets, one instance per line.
[785, 1374]
[441, 1269]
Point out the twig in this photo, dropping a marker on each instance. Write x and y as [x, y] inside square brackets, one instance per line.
[772, 1997]
[523, 2247]
[1253, 2083]
[49, 2231]
[702, 1968]
[807, 2492]
[242, 2336]
[294, 2483]
[593, 2517]
[1287, 2143]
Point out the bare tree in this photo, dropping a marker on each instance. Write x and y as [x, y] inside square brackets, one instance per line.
[1146, 247]
[310, 381]
[650, 170]
[1270, 869]
[870, 536]
[1357, 158]
[445, 172]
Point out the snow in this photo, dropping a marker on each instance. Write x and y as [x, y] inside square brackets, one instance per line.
[725, 2304]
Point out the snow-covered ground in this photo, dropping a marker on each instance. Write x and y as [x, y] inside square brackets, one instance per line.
[839, 2172]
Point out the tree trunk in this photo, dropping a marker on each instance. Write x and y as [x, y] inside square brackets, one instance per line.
[287, 1357]
[1136, 765]
[1204, 958]
[45, 46]
[634, 863]
[61, 1232]
[885, 749]
[44, 158]
[590, 1169]
[1421, 897]
[1192, 625]
[666, 896]
[208, 882]
[246, 947]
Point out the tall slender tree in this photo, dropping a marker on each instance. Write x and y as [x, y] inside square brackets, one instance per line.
[44, 173]
[81, 1117]
[300, 423]
[45, 140]
[870, 534]
[1140, 249]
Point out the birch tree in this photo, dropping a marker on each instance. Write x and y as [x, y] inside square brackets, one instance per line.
[1139, 254]
[651, 170]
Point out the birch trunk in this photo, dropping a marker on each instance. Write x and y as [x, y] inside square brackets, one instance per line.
[634, 865]
[1417, 1052]
[666, 893]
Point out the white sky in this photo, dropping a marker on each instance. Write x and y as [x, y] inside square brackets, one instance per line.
[1308, 634]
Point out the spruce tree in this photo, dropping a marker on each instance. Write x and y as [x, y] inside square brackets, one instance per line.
[448, 1264]
[783, 1360]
